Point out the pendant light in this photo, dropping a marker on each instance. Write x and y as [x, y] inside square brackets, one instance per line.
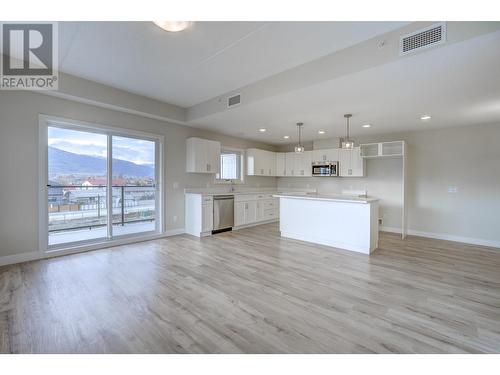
[299, 149]
[347, 143]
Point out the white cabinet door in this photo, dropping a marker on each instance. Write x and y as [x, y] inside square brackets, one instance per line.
[239, 213]
[271, 163]
[207, 217]
[345, 163]
[290, 164]
[251, 156]
[306, 164]
[280, 164]
[213, 156]
[357, 163]
[259, 210]
[250, 212]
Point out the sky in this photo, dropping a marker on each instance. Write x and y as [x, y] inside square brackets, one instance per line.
[84, 143]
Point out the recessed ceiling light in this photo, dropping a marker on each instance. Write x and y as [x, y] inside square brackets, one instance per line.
[173, 26]
[286, 136]
[366, 126]
[262, 130]
[321, 132]
[425, 117]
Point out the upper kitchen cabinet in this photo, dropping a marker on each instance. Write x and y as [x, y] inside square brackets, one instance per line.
[202, 155]
[280, 164]
[298, 165]
[351, 163]
[303, 164]
[331, 154]
[261, 162]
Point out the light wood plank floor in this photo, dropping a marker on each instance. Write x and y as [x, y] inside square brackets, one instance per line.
[251, 291]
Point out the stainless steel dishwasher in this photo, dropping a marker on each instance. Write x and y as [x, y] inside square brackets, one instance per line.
[223, 213]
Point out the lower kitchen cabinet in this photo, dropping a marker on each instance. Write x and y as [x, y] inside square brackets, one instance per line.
[255, 208]
[249, 209]
[207, 220]
[199, 214]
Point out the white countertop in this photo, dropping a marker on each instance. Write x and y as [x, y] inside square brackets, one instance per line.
[215, 191]
[331, 198]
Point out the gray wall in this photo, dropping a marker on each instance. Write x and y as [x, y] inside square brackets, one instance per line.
[19, 161]
[465, 157]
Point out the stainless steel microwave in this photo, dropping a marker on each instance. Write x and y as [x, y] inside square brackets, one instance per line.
[325, 168]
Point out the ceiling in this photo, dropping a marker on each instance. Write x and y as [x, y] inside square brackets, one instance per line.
[207, 60]
[458, 85]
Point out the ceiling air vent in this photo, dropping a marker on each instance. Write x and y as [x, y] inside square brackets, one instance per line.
[424, 38]
[233, 100]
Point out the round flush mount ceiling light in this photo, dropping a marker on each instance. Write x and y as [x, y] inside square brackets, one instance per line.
[321, 132]
[366, 126]
[286, 136]
[425, 117]
[262, 130]
[173, 26]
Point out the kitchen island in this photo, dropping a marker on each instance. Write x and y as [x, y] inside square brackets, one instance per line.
[344, 222]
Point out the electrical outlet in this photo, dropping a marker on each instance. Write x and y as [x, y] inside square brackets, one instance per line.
[176, 185]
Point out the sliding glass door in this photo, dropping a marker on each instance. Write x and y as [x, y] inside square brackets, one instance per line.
[134, 185]
[101, 185]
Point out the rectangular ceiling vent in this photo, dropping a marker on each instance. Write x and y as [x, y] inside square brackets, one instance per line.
[233, 100]
[424, 38]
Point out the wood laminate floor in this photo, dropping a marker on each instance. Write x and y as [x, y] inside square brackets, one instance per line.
[251, 291]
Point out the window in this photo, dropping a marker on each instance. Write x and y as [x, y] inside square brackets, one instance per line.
[231, 166]
[101, 183]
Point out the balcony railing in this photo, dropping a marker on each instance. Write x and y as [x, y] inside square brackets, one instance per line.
[85, 207]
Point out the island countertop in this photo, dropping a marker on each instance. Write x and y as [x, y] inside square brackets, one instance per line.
[331, 198]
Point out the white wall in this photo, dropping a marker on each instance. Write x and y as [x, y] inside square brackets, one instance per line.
[465, 157]
[19, 161]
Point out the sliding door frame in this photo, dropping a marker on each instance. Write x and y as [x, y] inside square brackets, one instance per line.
[46, 121]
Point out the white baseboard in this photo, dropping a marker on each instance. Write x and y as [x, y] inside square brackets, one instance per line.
[446, 237]
[19, 258]
[34, 255]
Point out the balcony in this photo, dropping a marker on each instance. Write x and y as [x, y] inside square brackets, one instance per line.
[78, 213]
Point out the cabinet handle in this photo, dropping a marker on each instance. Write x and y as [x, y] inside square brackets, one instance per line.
[324, 157]
[208, 167]
[284, 173]
[349, 171]
[270, 172]
[302, 172]
[262, 171]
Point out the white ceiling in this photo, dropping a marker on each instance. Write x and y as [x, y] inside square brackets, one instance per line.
[458, 85]
[205, 61]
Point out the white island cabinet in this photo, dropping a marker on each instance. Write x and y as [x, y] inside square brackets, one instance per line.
[344, 222]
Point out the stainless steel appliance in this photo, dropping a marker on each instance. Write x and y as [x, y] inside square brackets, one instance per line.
[325, 168]
[223, 213]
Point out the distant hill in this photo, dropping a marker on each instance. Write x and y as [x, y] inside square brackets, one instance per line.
[64, 162]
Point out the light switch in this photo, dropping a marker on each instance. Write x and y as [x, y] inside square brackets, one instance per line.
[176, 185]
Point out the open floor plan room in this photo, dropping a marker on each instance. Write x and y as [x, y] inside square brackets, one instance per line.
[277, 187]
